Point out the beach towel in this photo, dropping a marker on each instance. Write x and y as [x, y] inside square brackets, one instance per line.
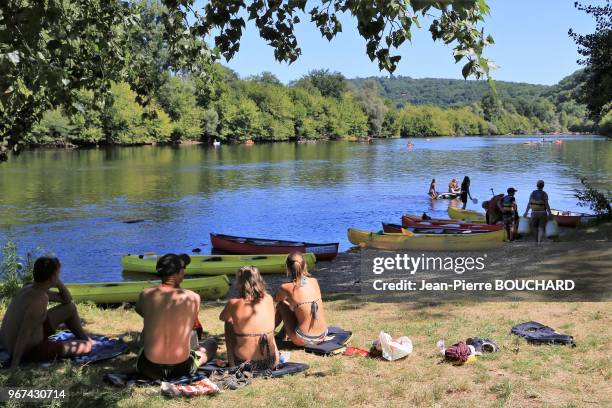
[280, 371]
[337, 338]
[537, 333]
[104, 349]
[200, 387]
[136, 379]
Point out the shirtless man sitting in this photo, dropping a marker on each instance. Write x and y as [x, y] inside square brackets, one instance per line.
[249, 322]
[27, 323]
[169, 314]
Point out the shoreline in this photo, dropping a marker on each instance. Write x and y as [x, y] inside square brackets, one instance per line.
[364, 139]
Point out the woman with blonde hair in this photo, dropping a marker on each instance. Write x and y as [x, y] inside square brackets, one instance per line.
[299, 306]
[249, 322]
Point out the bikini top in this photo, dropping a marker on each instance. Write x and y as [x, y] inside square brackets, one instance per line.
[314, 306]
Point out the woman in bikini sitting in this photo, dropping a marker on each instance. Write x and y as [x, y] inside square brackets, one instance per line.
[249, 322]
[299, 305]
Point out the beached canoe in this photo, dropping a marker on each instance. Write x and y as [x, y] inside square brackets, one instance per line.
[397, 229]
[211, 288]
[414, 221]
[427, 242]
[572, 219]
[243, 245]
[466, 215]
[216, 264]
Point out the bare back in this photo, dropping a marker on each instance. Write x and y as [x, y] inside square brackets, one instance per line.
[169, 316]
[252, 319]
[300, 298]
[27, 298]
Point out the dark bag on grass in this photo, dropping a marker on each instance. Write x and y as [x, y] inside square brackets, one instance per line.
[457, 352]
[537, 333]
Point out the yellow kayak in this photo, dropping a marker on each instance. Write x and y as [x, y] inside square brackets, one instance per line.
[467, 215]
[216, 264]
[211, 288]
[427, 242]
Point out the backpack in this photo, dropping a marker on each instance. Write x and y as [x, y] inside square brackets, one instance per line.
[457, 352]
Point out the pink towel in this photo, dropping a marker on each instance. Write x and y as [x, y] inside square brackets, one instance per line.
[200, 387]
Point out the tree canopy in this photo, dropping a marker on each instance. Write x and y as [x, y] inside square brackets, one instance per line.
[596, 48]
[51, 51]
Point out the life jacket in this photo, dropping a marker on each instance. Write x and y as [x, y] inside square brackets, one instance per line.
[507, 204]
[537, 200]
[493, 214]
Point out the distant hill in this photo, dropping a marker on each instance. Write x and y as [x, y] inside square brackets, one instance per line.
[403, 90]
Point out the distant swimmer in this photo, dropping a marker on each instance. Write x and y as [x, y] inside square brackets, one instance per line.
[453, 186]
[432, 189]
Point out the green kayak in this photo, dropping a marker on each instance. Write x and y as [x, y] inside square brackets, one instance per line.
[211, 288]
[215, 264]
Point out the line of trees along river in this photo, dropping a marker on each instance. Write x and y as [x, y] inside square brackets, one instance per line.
[320, 105]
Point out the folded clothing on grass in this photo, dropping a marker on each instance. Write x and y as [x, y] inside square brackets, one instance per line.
[200, 387]
[103, 349]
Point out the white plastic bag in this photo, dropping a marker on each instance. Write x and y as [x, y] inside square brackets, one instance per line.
[394, 349]
[552, 229]
[523, 226]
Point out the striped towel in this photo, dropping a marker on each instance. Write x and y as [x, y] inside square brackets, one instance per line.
[201, 387]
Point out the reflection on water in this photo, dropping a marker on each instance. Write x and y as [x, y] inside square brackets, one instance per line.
[73, 202]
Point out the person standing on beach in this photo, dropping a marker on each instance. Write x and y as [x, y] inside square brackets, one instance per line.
[507, 206]
[170, 313]
[465, 191]
[540, 211]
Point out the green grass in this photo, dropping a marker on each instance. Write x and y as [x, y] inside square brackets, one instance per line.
[519, 375]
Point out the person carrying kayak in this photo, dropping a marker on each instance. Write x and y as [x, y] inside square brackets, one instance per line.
[507, 206]
[432, 189]
[170, 314]
[465, 191]
[540, 211]
[453, 186]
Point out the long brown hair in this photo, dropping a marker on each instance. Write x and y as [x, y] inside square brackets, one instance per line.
[249, 284]
[296, 266]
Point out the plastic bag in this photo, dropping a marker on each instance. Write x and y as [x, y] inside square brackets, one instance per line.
[394, 349]
[523, 226]
[552, 229]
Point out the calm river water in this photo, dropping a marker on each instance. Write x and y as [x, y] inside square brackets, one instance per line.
[74, 203]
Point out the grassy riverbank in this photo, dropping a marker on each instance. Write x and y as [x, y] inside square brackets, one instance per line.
[519, 375]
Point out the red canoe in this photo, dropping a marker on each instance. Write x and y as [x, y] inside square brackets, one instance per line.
[243, 245]
[397, 229]
[416, 222]
[572, 219]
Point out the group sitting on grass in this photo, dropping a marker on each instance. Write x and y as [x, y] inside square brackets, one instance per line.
[170, 313]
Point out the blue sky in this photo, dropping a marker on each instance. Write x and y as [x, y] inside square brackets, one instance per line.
[531, 45]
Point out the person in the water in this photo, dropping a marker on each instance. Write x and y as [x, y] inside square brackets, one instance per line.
[453, 186]
[465, 191]
[432, 189]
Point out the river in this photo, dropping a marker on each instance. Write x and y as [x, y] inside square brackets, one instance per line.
[73, 203]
